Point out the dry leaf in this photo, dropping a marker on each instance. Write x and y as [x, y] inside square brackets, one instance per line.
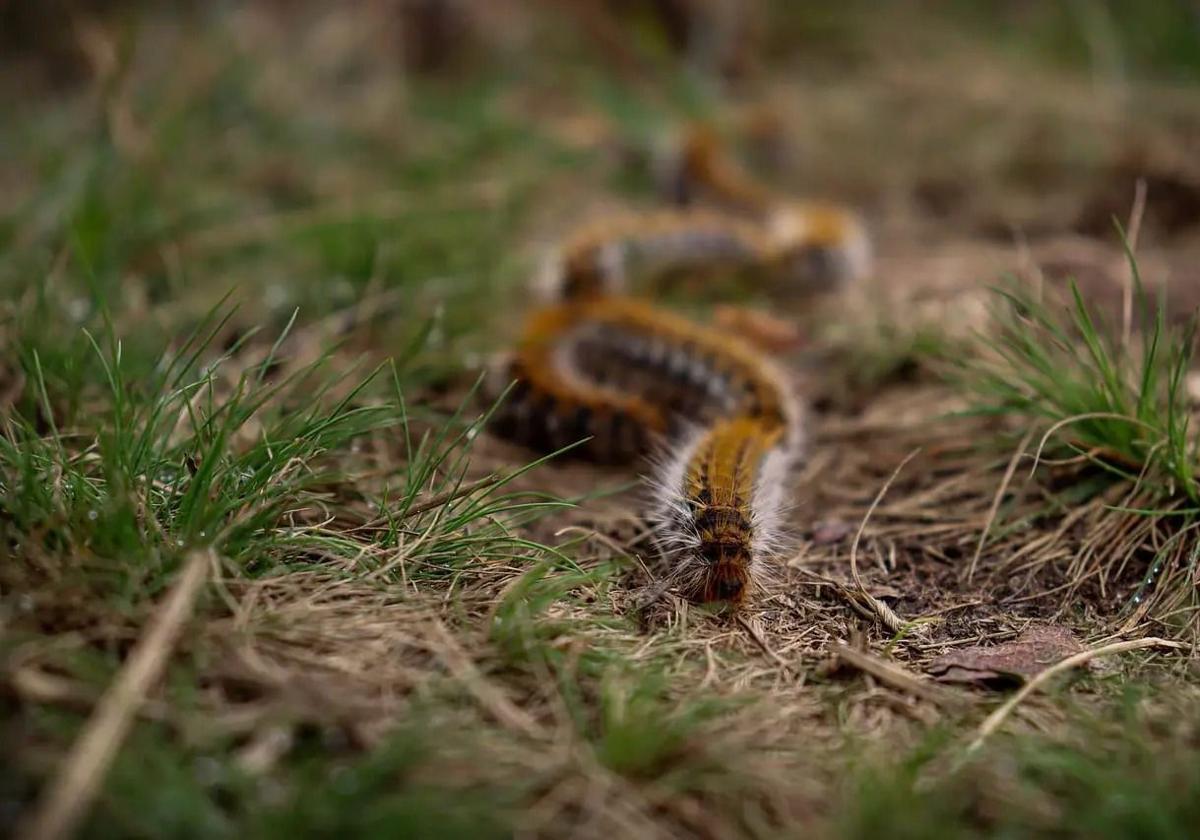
[1008, 663]
[829, 531]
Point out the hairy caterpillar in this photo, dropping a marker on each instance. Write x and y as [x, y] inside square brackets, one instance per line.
[633, 377]
[625, 361]
[723, 492]
[794, 248]
[818, 246]
[628, 376]
[602, 257]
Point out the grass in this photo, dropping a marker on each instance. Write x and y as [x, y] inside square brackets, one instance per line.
[205, 792]
[245, 303]
[1108, 406]
[1162, 40]
[1117, 400]
[1127, 772]
[243, 460]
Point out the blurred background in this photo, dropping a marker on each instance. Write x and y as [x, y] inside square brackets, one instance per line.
[314, 154]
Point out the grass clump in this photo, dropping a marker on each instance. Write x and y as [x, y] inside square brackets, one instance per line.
[1104, 410]
[1088, 390]
[307, 483]
[247, 453]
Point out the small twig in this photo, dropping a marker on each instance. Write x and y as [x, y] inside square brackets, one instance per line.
[995, 508]
[37, 686]
[762, 643]
[451, 495]
[896, 676]
[996, 718]
[882, 611]
[69, 796]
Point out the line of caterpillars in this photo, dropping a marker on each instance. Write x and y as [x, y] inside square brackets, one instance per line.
[632, 378]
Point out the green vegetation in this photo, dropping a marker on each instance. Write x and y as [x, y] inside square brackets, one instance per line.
[1107, 403]
[1131, 772]
[1118, 400]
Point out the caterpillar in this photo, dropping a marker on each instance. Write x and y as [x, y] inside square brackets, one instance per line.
[823, 245]
[603, 257]
[622, 378]
[794, 249]
[723, 493]
[698, 170]
[626, 372]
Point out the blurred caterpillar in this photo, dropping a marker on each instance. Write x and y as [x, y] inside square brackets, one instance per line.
[629, 377]
[821, 245]
[794, 249]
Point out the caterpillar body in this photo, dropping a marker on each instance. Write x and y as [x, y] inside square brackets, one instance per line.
[697, 170]
[599, 365]
[631, 378]
[603, 257]
[821, 245]
[794, 249]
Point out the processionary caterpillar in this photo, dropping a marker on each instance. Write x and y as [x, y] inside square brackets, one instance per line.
[629, 376]
[796, 249]
[821, 244]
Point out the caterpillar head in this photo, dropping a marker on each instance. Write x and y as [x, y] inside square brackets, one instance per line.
[819, 248]
[724, 569]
